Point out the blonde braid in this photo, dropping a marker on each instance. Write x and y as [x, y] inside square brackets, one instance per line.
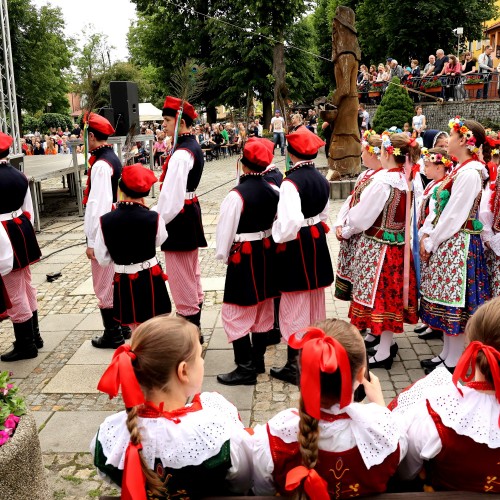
[153, 483]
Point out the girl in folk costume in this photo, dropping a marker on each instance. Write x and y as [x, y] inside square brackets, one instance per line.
[171, 441]
[340, 448]
[180, 209]
[244, 243]
[304, 266]
[454, 278]
[127, 238]
[453, 430]
[18, 250]
[370, 156]
[378, 267]
[99, 198]
[489, 215]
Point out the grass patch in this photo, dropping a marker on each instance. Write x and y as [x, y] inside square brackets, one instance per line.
[95, 493]
[59, 495]
[73, 479]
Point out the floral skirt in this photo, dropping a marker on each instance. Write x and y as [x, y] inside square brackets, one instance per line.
[493, 264]
[452, 320]
[388, 313]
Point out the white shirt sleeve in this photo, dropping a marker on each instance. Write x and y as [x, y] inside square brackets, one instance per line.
[486, 215]
[424, 442]
[342, 215]
[427, 225]
[290, 216]
[173, 192]
[263, 465]
[28, 205]
[465, 189]
[323, 216]
[101, 250]
[239, 476]
[371, 202]
[161, 232]
[6, 252]
[100, 199]
[230, 213]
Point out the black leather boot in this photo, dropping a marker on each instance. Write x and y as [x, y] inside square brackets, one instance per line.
[24, 345]
[36, 331]
[126, 332]
[112, 337]
[274, 335]
[289, 373]
[245, 373]
[259, 345]
[196, 320]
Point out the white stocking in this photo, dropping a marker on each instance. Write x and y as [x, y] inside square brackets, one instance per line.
[369, 337]
[384, 348]
[444, 352]
[456, 348]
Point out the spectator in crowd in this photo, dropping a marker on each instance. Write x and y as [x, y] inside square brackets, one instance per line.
[441, 60]
[313, 119]
[362, 69]
[373, 71]
[415, 68]
[242, 137]
[418, 122]
[365, 118]
[382, 75]
[159, 147]
[29, 151]
[218, 139]
[485, 69]
[453, 70]
[253, 130]
[259, 127]
[278, 130]
[468, 64]
[51, 147]
[396, 69]
[297, 122]
[429, 67]
[406, 75]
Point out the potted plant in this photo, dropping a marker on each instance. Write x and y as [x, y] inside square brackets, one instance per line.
[20, 453]
[474, 82]
[375, 90]
[433, 86]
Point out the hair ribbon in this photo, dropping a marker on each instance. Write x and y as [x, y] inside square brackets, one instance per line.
[314, 485]
[120, 372]
[321, 353]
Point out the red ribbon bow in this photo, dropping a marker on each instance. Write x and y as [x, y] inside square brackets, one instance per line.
[315, 486]
[134, 480]
[413, 142]
[468, 362]
[121, 373]
[321, 353]
[492, 142]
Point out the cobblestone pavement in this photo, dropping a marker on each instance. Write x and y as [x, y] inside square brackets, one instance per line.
[72, 475]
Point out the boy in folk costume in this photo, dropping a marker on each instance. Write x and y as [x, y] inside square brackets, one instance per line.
[244, 243]
[180, 209]
[99, 198]
[303, 261]
[20, 247]
[139, 285]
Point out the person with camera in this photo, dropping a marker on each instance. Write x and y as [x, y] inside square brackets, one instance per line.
[485, 62]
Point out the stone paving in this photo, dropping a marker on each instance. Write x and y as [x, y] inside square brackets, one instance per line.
[60, 384]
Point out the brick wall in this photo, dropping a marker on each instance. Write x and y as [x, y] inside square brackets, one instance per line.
[438, 115]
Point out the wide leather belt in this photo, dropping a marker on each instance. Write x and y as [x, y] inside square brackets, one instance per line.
[260, 235]
[190, 195]
[135, 268]
[311, 221]
[11, 215]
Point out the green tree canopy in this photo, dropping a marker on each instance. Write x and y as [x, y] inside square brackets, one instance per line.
[396, 108]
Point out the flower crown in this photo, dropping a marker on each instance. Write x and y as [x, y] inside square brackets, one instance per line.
[386, 142]
[371, 149]
[457, 124]
[436, 158]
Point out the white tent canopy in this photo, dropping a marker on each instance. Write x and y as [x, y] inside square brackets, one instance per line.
[149, 113]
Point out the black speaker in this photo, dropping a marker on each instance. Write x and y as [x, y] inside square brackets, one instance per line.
[125, 103]
[109, 114]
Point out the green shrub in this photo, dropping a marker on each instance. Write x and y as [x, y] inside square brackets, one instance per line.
[396, 108]
[48, 120]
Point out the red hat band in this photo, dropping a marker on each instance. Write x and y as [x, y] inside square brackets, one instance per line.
[136, 180]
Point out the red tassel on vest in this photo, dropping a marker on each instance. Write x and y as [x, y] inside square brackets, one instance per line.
[326, 227]
[267, 243]
[246, 248]
[314, 232]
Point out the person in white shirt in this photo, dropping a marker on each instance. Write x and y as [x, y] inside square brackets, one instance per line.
[278, 130]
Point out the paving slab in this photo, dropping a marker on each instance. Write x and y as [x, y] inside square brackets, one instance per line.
[51, 340]
[212, 284]
[59, 258]
[38, 278]
[245, 416]
[71, 431]
[85, 288]
[89, 355]
[76, 379]
[92, 322]
[41, 417]
[60, 322]
[43, 268]
[219, 340]
[219, 361]
[22, 369]
[71, 250]
[209, 318]
[240, 395]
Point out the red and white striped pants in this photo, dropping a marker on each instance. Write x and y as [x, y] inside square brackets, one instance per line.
[22, 295]
[102, 280]
[301, 309]
[238, 321]
[184, 279]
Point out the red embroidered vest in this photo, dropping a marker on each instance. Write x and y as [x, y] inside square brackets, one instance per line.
[462, 464]
[360, 187]
[424, 206]
[345, 472]
[389, 228]
[495, 205]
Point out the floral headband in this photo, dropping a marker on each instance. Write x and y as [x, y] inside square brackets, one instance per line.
[365, 144]
[436, 158]
[457, 124]
[386, 142]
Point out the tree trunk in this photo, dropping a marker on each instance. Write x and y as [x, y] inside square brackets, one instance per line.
[267, 112]
[279, 73]
[211, 114]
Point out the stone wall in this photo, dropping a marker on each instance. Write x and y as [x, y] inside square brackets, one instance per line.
[438, 115]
